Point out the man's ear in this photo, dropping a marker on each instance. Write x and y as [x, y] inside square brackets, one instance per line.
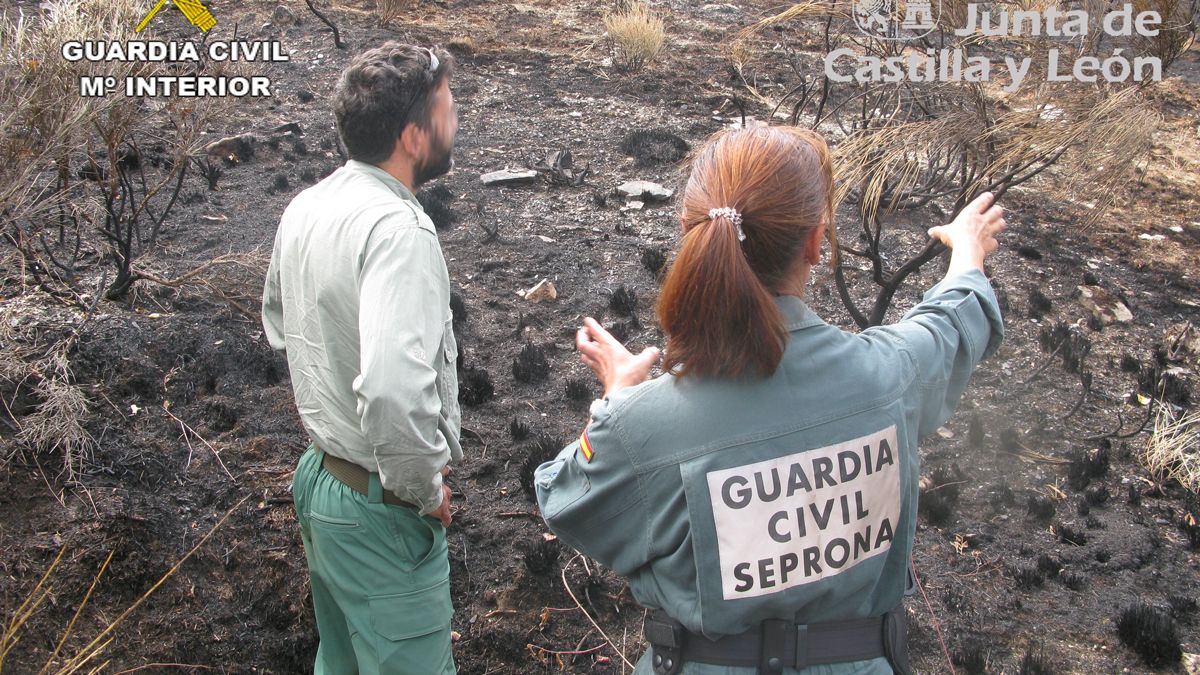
[411, 140]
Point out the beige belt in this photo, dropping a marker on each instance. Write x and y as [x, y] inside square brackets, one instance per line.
[356, 478]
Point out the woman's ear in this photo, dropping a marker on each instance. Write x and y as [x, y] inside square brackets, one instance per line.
[812, 245]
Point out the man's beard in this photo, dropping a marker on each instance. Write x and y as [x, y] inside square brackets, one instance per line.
[438, 163]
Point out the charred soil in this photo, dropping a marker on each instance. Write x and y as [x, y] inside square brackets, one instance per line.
[1041, 535]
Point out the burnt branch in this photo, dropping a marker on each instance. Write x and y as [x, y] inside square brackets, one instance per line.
[337, 38]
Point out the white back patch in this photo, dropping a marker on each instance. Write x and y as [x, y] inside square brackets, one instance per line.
[808, 516]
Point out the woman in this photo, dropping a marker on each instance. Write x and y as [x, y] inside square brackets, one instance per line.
[762, 494]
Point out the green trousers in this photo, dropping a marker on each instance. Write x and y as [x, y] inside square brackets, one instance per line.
[380, 578]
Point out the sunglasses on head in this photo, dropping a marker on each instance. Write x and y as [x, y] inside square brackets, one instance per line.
[434, 64]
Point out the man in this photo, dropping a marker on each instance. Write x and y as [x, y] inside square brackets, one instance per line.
[358, 295]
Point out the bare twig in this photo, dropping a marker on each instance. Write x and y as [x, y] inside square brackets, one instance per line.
[595, 625]
[1116, 432]
[1045, 364]
[337, 38]
[149, 666]
[78, 610]
[1085, 381]
[518, 514]
[574, 652]
[209, 276]
[8, 639]
[185, 429]
[97, 645]
[937, 625]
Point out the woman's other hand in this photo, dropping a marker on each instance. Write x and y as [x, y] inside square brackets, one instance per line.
[615, 366]
[972, 235]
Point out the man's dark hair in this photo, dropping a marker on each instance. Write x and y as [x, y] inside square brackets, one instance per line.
[383, 90]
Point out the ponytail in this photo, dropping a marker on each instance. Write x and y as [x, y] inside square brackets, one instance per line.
[719, 318]
[717, 305]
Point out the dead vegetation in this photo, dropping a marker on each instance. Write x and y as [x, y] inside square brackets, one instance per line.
[504, 571]
[1172, 452]
[89, 179]
[390, 11]
[89, 657]
[915, 144]
[55, 426]
[219, 277]
[86, 186]
[637, 35]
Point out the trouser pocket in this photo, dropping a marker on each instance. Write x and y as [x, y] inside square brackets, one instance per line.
[416, 538]
[332, 523]
[302, 484]
[412, 630]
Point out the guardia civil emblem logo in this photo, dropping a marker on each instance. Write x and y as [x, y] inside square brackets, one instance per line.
[197, 14]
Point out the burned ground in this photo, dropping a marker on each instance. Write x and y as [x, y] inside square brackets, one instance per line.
[1044, 545]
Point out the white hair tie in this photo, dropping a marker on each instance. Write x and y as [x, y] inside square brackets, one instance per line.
[731, 214]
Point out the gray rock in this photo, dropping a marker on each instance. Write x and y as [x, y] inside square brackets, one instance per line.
[508, 177]
[283, 16]
[644, 189]
[234, 148]
[1103, 305]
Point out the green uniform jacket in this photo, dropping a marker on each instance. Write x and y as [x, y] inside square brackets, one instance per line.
[728, 502]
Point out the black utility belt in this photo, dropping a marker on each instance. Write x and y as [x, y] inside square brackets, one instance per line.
[777, 644]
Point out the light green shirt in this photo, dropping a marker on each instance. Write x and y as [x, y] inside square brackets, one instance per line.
[358, 296]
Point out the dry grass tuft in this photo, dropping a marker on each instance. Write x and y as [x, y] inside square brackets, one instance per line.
[807, 9]
[56, 424]
[637, 32]
[1173, 449]
[390, 11]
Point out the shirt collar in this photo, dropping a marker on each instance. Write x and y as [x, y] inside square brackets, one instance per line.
[382, 176]
[796, 314]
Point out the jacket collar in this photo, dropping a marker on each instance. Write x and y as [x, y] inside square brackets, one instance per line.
[382, 176]
[796, 314]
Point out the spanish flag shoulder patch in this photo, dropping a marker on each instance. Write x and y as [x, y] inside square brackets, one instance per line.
[585, 446]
